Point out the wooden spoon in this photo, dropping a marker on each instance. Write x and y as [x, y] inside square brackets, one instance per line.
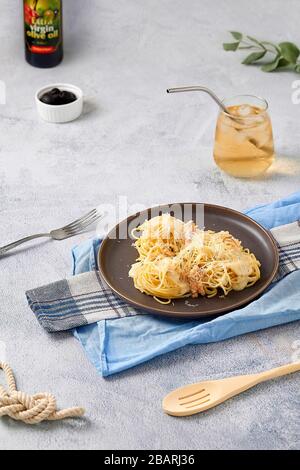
[195, 398]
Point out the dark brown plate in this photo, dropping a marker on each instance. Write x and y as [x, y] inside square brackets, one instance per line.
[117, 254]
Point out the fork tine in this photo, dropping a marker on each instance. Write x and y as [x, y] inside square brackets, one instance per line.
[81, 226]
[78, 224]
[92, 220]
[78, 221]
[85, 222]
[80, 229]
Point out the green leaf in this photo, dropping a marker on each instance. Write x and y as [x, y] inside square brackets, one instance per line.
[238, 36]
[271, 65]
[289, 51]
[286, 54]
[230, 46]
[253, 57]
[283, 63]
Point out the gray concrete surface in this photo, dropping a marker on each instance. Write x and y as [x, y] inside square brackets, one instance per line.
[136, 141]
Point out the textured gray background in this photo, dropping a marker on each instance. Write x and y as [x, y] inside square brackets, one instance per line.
[135, 140]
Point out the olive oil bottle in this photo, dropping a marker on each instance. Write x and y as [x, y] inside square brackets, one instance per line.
[43, 32]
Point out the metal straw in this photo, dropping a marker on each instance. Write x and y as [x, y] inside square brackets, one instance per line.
[200, 88]
[215, 98]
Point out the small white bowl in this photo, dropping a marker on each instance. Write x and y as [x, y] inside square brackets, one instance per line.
[62, 112]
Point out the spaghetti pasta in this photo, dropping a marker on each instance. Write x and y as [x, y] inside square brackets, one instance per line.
[177, 259]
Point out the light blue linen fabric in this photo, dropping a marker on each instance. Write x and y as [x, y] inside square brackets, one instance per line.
[117, 345]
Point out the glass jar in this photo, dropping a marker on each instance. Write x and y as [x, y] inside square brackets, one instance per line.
[244, 139]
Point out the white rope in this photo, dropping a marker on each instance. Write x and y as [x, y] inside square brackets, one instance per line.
[31, 409]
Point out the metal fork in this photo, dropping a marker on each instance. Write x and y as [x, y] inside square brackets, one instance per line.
[74, 228]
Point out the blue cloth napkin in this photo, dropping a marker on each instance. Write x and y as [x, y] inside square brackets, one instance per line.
[119, 344]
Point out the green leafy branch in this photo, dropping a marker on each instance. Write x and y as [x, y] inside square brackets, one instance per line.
[282, 55]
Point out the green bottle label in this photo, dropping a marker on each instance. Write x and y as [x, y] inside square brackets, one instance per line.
[43, 19]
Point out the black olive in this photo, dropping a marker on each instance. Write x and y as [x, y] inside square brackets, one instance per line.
[58, 97]
[54, 91]
[67, 97]
[48, 98]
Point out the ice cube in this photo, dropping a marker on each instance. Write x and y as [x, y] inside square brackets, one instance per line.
[245, 110]
[259, 119]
